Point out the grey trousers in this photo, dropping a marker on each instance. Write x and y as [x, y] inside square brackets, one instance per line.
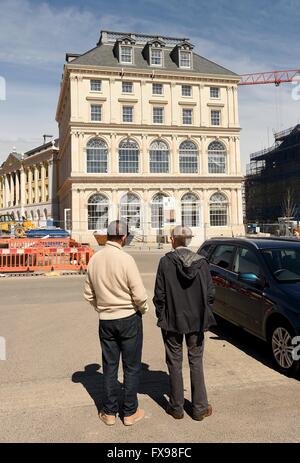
[195, 346]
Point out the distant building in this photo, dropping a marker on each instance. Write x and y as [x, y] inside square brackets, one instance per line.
[28, 184]
[273, 179]
[142, 119]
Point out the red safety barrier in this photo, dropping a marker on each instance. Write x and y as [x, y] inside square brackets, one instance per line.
[22, 243]
[45, 259]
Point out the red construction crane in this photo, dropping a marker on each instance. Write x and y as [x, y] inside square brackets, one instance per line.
[273, 77]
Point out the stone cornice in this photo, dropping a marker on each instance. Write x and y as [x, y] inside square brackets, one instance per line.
[187, 103]
[149, 128]
[125, 99]
[159, 73]
[216, 104]
[148, 181]
[158, 102]
[96, 98]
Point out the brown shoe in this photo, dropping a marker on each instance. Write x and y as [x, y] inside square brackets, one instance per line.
[109, 420]
[132, 419]
[176, 415]
[205, 414]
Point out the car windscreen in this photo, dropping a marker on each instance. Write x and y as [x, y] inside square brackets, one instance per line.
[284, 263]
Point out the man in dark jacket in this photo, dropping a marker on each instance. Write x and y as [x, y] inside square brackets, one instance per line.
[183, 295]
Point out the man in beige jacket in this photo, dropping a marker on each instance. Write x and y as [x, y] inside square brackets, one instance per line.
[114, 288]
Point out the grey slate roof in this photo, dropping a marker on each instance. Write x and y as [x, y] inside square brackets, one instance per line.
[20, 156]
[42, 147]
[103, 56]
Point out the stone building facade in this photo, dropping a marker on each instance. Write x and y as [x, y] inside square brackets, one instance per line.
[28, 184]
[144, 120]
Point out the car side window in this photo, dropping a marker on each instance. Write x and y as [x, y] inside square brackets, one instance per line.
[222, 255]
[205, 250]
[246, 262]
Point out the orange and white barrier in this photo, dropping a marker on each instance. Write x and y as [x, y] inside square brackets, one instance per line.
[45, 259]
[21, 243]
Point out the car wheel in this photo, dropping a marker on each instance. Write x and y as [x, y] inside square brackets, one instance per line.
[282, 348]
[19, 232]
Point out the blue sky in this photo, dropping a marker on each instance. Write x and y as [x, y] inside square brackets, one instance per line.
[243, 35]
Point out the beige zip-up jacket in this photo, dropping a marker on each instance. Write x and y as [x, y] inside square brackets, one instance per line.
[113, 285]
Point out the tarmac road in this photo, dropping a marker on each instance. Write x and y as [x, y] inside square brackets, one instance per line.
[51, 382]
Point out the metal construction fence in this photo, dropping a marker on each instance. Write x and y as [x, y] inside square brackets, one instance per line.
[23, 243]
[45, 259]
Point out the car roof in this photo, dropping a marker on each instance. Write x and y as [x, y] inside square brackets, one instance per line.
[258, 243]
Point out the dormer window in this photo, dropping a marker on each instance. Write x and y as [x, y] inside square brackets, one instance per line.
[126, 54]
[182, 55]
[184, 59]
[123, 50]
[156, 57]
[153, 52]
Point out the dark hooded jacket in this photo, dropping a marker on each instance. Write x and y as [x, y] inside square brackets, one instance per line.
[184, 292]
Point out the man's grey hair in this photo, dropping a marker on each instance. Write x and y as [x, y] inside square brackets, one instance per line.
[183, 235]
[116, 229]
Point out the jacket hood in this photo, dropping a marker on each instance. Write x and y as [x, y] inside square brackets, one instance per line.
[186, 261]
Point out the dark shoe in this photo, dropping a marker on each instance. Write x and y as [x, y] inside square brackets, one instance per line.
[201, 416]
[176, 415]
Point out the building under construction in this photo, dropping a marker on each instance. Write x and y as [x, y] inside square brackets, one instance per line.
[272, 183]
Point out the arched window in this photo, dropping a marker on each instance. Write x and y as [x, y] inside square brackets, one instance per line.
[130, 210]
[159, 157]
[216, 158]
[128, 157]
[190, 210]
[96, 156]
[218, 210]
[97, 212]
[188, 157]
[157, 210]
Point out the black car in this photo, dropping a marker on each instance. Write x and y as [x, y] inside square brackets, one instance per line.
[258, 288]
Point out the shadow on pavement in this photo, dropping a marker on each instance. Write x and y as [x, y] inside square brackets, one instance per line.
[246, 342]
[92, 381]
[155, 384]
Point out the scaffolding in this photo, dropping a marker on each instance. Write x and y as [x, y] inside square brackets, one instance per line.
[271, 173]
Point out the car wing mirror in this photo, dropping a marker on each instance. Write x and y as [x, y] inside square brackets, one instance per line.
[252, 279]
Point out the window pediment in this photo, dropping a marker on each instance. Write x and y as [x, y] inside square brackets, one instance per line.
[127, 40]
[12, 163]
[156, 43]
[185, 46]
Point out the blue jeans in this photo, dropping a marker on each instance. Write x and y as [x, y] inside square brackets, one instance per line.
[123, 336]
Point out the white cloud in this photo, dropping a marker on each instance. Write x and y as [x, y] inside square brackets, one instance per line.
[40, 35]
[36, 34]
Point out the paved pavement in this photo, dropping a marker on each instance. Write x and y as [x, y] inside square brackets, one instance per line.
[51, 382]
